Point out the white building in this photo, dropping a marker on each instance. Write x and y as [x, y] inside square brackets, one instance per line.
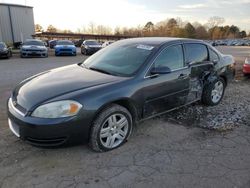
[16, 23]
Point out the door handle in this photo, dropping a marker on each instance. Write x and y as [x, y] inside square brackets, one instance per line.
[182, 76]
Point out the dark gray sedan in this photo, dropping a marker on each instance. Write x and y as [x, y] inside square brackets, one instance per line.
[100, 100]
[5, 52]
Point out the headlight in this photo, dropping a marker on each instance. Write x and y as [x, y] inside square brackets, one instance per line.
[57, 109]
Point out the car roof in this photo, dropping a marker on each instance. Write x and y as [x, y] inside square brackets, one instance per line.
[30, 40]
[158, 41]
[64, 41]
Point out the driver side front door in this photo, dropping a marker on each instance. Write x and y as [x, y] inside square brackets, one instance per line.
[164, 92]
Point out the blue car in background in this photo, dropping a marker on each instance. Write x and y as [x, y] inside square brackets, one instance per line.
[65, 47]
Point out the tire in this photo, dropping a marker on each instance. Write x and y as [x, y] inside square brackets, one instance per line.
[213, 92]
[82, 51]
[114, 134]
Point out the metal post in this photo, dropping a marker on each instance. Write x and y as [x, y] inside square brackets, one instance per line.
[11, 25]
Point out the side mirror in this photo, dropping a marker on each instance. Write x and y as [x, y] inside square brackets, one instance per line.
[160, 70]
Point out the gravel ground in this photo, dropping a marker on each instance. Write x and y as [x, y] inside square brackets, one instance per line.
[233, 111]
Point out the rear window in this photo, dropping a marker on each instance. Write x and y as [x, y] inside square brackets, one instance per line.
[196, 53]
[33, 43]
[64, 43]
[91, 42]
[213, 56]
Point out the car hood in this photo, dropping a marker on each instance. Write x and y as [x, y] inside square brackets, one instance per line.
[64, 46]
[47, 85]
[94, 46]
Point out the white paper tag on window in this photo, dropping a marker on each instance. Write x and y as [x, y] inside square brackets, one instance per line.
[145, 47]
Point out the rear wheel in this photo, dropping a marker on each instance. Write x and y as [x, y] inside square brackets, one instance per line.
[213, 92]
[111, 128]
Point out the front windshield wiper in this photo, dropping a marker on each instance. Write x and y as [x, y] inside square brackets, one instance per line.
[99, 70]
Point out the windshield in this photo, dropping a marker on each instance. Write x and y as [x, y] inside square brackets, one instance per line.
[64, 43]
[91, 42]
[120, 59]
[33, 43]
[2, 45]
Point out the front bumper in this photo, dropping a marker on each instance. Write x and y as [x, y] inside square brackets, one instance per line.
[34, 53]
[65, 52]
[48, 132]
[4, 54]
[92, 50]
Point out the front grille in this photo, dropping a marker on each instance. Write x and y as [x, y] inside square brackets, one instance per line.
[35, 55]
[65, 50]
[34, 50]
[46, 142]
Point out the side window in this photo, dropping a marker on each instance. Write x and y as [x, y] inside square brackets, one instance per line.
[171, 57]
[196, 53]
[213, 56]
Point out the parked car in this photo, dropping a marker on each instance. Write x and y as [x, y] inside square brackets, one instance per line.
[5, 51]
[65, 47]
[33, 48]
[107, 43]
[90, 47]
[78, 43]
[246, 67]
[100, 100]
[52, 44]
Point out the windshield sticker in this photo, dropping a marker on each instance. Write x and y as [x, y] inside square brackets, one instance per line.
[145, 47]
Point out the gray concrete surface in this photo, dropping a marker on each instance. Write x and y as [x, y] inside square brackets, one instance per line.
[160, 153]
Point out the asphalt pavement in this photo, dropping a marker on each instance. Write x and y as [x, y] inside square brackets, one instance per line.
[160, 152]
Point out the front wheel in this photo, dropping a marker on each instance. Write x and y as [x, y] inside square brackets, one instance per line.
[111, 128]
[213, 92]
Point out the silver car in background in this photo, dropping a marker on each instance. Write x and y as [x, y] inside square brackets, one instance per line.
[33, 48]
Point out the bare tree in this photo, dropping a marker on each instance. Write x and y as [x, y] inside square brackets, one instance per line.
[52, 29]
[215, 21]
[38, 28]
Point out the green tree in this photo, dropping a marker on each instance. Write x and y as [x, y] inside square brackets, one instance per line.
[201, 32]
[148, 29]
[234, 30]
[172, 27]
[243, 34]
[189, 30]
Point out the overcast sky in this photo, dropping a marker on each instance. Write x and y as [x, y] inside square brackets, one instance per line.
[73, 14]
